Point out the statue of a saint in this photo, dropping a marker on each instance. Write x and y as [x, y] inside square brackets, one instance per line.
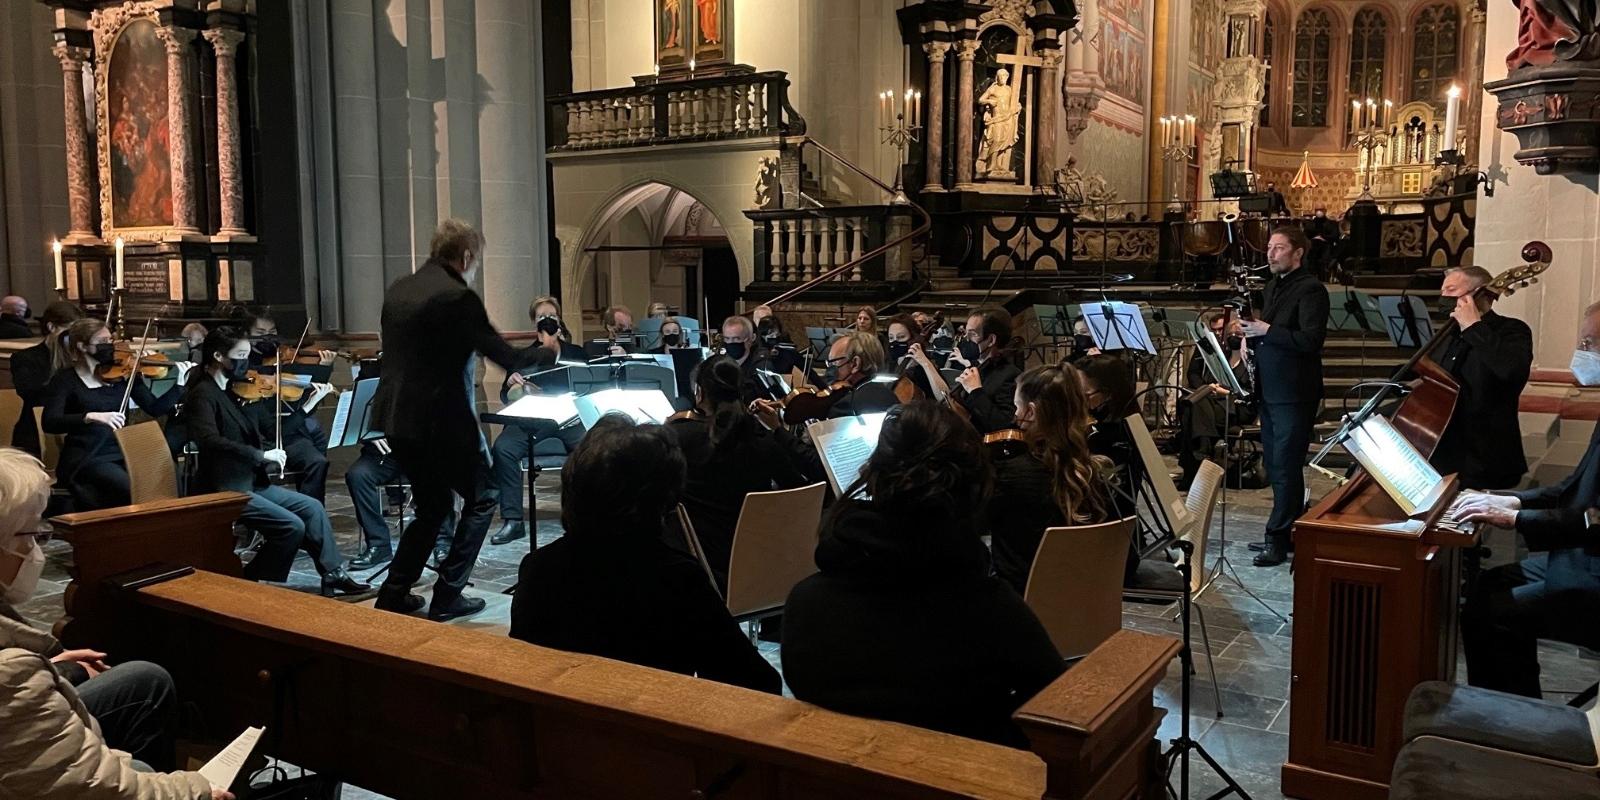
[1555, 30]
[1001, 111]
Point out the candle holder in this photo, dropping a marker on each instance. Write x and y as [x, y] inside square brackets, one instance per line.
[1369, 141]
[900, 134]
[1176, 157]
[117, 318]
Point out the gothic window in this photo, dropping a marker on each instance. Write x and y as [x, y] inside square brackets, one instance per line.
[1435, 55]
[1313, 41]
[1368, 46]
[1267, 56]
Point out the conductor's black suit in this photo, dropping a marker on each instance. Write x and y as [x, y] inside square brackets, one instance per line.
[433, 326]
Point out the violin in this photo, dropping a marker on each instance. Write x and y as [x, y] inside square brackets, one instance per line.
[153, 366]
[685, 415]
[1006, 443]
[809, 402]
[263, 386]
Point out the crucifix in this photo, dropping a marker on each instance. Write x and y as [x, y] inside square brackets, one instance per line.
[1006, 118]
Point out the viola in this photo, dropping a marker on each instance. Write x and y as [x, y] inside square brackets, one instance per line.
[263, 386]
[686, 415]
[153, 366]
[1006, 443]
[809, 402]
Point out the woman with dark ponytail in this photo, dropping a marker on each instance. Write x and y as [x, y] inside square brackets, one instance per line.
[904, 621]
[731, 454]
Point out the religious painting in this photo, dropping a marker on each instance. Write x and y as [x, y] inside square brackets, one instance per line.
[1199, 99]
[673, 18]
[713, 32]
[1122, 60]
[1128, 11]
[135, 132]
[1205, 35]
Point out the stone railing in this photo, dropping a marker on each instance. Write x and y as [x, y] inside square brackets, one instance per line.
[799, 245]
[737, 106]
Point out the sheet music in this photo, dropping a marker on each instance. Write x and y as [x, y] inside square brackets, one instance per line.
[644, 406]
[845, 444]
[558, 408]
[341, 419]
[1117, 326]
[223, 769]
[1395, 464]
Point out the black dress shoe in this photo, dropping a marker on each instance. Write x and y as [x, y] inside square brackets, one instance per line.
[460, 607]
[1274, 555]
[400, 602]
[372, 556]
[1258, 547]
[513, 530]
[340, 582]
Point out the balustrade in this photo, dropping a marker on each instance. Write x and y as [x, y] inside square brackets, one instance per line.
[725, 107]
[797, 245]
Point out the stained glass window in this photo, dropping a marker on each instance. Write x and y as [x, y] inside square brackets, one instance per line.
[1368, 45]
[1435, 58]
[1313, 41]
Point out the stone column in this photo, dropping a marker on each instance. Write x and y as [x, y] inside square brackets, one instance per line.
[1049, 106]
[80, 187]
[180, 128]
[225, 42]
[935, 150]
[1477, 20]
[968, 50]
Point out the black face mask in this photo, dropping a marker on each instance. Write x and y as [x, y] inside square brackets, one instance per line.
[1234, 343]
[549, 326]
[671, 339]
[264, 346]
[898, 350]
[238, 368]
[734, 350]
[1081, 342]
[969, 351]
[1446, 304]
[104, 353]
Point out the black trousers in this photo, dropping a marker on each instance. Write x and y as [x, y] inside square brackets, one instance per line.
[1285, 437]
[312, 464]
[365, 479]
[433, 481]
[99, 482]
[514, 444]
[1553, 595]
[134, 704]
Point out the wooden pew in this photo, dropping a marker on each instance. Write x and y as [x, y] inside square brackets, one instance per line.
[416, 709]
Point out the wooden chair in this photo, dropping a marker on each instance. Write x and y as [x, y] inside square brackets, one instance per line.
[1201, 501]
[49, 443]
[774, 548]
[1075, 586]
[151, 474]
[10, 412]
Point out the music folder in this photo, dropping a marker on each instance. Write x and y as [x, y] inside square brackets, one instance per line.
[557, 408]
[845, 444]
[1396, 465]
[644, 406]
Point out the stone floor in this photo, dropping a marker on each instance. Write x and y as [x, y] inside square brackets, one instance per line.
[1249, 638]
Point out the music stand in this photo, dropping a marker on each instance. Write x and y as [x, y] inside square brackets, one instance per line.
[1406, 320]
[650, 376]
[600, 348]
[351, 418]
[1353, 310]
[1216, 361]
[1117, 326]
[684, 362]
[691, 330]
[645, 406]
[648, 332]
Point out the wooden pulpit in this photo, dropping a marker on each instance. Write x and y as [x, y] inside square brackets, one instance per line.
[1375, 599]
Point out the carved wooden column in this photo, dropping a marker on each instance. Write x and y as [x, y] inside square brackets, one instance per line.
[935, 127]
[180, 127]
[80, 187]
[1049, 105]
[225, 42]
[966, 52]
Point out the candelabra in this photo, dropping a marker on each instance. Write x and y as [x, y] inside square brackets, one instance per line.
[1177, 150]
[900, 133]
[1368, 141]
[1370, 132]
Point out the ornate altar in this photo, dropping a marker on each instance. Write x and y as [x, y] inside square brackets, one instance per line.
[168, 175]
[1401, 168]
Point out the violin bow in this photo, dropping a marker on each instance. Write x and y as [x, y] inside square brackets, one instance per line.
[133, 373]
[295, 354]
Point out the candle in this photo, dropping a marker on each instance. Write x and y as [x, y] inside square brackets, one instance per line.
[119, 244]
[916, 105]
[1388, 112]
[906, 106]
[1452, 108]
[1355, 115]
[1372, 112]
[61, 271]
[1189, 142]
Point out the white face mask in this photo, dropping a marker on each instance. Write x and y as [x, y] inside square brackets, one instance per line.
[1586, 367]
[19, 572]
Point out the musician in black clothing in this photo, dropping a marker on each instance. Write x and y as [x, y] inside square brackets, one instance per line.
[31, 370]
[89, 411]
[779, 353]
[856, 358]
[433, 325]
[730, 455]
[1490, 358]
[233, 457]
[303, 438]
[14, 318]
[1286, 338]
[1325, 235]
[1277, 205]
[1205, 414]
[516, 442]
[611, 587]
[988, 379]
[739, 343]
[670, 338]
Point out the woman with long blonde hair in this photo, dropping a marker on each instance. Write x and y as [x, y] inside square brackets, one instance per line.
[1056, 481]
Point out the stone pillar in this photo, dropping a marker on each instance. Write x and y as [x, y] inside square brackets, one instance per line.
[1049, 106]
[1477, 19]
[967, 51]
[230, 180]
[180, 128]
[80, 187]
[935, 131]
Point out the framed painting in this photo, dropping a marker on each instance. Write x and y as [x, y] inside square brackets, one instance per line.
[132, 134]
[713, 32]
[673, 24]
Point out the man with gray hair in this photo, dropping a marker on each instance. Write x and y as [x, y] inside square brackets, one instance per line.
[14, 318]
[1489, 356]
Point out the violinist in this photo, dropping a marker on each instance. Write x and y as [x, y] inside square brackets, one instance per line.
[739, 343]
[548, 306]
[31, 370]
[234, 457]
[1056, 481]
[777, 350]
[854, 359]
[303, 437]
[671, 337]
[1204, 414]
[866, 320]
[619, 330]
[516, 442]
[193, 335]
[901, 334]
[1108, 384]
[988, 378]
[88, 408]
[731, 455]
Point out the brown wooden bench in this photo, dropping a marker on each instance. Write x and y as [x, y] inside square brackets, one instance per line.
[411, 708]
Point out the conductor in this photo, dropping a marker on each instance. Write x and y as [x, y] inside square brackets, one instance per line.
[433, 326]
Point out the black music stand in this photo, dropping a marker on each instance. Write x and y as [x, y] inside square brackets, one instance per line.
[1406, 320]
[1117, 326]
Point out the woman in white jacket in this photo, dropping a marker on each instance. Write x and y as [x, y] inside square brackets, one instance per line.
[53, 745]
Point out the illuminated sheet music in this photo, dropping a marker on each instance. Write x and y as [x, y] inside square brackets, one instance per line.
[1395, 464]
[845, 444]
[558, 408]
[644, 406]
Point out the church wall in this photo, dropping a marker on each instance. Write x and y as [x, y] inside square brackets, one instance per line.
[1116, 153]
[33, 167]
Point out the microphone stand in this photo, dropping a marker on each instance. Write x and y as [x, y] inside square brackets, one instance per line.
[1185, 744]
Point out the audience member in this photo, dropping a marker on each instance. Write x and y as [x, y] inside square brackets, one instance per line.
[611, 586]
[14, 316]
[904, 622]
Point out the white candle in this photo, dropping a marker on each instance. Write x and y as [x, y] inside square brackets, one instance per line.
[1372, 112]
[118, 284]
[61, 271]
[1452, 108]
[1355, 115]
[916, 106]
[1388, 112]
[1189, 142]
[907, 106]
